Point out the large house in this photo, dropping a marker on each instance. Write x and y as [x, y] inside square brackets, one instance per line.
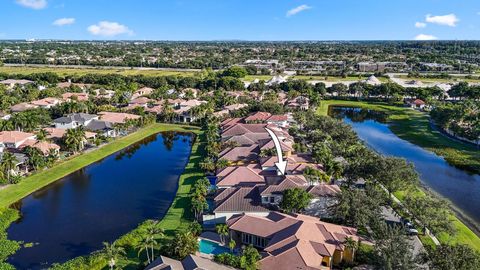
[74, 120]
[293, 241]
[13, 139]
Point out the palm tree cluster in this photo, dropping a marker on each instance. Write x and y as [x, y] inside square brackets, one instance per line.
[26, 121]
[74, 139]
[8, 164]
[113, 253]
[199, 201]
[153, 232]
[212, 132]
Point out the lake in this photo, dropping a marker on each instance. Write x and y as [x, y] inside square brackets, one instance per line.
[101, 202]
[459, 187]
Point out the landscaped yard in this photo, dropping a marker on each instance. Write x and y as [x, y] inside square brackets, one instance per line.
[38, 180]
[67, 71]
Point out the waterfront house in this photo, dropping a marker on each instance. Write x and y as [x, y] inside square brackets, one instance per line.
[117, 118]
[293, 241]
[74, 120]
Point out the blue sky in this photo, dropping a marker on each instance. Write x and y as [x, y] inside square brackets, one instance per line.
[240, 19]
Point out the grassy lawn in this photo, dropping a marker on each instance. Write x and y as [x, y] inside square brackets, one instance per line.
[179, 215]
[333, 78]
[463, 234]
[30, 184]
[251, 78]
[68, 71]
[414, 127]
[431, 80]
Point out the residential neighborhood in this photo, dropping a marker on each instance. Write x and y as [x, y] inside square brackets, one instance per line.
[239, 135]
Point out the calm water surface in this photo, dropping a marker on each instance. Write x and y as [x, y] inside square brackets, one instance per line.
[73, 216]
[458, 186]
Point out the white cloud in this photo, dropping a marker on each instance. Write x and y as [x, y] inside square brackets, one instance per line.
[297, 10]
[64, 21]
[109, 29]
[420, 25]
[425, 37]
[449, 19]
[35, 4]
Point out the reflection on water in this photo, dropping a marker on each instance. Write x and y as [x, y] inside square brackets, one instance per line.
[100, 202]
[458, 186]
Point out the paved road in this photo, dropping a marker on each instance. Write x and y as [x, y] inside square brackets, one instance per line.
[391, 217]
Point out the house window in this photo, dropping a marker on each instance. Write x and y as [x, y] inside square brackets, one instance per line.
[253, 240]
[272, 199]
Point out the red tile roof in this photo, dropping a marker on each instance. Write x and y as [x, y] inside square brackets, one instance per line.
[258, 116]
[14, 136]
[114, 117]
[239, 199]
[241, 153]
[240, 176]
[294, 241]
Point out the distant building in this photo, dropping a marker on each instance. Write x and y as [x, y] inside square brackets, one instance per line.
[10, 83]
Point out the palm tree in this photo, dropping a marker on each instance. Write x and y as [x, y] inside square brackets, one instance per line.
[145, 244]
[222, 230]
[42, 135]
[199, 204]
[184, 243]
[8, 164]
[154, 231]
[35, 157]
[112, 252]
[232, 245]
[74, 138]
[6, 125]
[351, 245]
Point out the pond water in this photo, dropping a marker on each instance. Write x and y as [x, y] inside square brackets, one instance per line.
[456, 185]
[101, 202]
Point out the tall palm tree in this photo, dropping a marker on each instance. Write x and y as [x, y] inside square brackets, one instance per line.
[112, 253]
[74, 138]
[145, 244]
[222, 230]
[8, 164]
[154, 231]
[351, 245]
[35, 157]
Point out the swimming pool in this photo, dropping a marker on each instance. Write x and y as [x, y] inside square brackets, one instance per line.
[209, 247]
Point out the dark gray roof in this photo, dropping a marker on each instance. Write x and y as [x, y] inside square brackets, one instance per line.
[77, 117]
[99, 125]
[21, 158]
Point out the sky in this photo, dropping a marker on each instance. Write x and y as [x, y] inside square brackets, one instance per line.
[240, 19]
